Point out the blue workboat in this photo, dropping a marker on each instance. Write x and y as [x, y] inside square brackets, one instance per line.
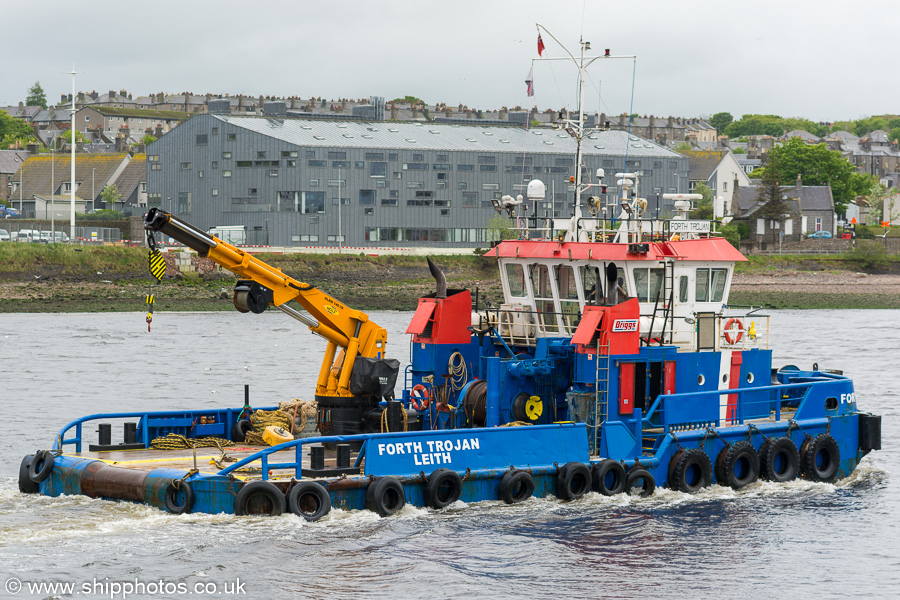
[615, 364]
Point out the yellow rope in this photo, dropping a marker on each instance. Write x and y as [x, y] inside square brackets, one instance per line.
[174, 441]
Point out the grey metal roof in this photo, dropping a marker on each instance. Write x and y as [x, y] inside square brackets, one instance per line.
[436, 136]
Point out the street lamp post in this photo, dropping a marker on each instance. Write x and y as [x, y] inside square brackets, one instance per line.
[52, 190]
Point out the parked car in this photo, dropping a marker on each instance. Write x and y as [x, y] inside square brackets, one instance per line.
[8, 211]
[825, 235]
[4, 235]
[60, 237]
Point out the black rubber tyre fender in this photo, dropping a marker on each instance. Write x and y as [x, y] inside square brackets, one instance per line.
[310, 500]
[40, 466]
[821, 458]
[516, 486]
[647, 486]
[171, 499]
[690, 471]
[385, 496]
[740, 465]
[443, 488]
[763, 472]
[259, 498]
[240, 429]
[779, 459]
[608, 477]
[26, 485]
[573, 480]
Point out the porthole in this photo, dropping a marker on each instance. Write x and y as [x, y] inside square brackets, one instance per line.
[701, 380]
[831, 403]
[749, 377]
[725, 378]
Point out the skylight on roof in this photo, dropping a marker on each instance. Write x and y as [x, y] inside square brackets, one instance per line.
[368, 137]
[348, 135]
[410, 140]
[305, 127]
[434, 131]
[548, 142]
[488, 132]
[319, 137]
[342, 126]
[599, 147]
[504, 141]
[471, 140]
[393, 130]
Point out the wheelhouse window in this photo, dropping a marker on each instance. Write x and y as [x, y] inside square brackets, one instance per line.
[543, 296]
[710, 286]
[515, 277]
[568, 296]
[648, 284]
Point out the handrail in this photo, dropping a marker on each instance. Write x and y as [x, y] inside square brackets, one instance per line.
[77, 423]
[731, 391]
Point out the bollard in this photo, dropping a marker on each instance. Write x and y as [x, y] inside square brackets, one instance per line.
[130, 433]
[105, 437]
[343, 455]
[316, 457]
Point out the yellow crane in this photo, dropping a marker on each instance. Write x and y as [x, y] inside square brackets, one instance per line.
[348, 332]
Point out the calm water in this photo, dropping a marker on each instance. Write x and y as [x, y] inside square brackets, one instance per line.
[798, 540]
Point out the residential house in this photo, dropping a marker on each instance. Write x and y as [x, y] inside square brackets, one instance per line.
[872, 154]
[43, 176]
[724, 177]
[10, 160]
[107, 123]
[809, 208]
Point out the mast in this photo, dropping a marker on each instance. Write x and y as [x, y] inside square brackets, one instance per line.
[575, 127]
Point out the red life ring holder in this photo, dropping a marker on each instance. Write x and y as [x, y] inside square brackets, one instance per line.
[728, 328]
[419, 398]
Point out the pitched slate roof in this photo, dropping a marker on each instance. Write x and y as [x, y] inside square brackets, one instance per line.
[703, 163]
[11, 159]
[810, 197]
[37, 172]
[134, 173]
[802, 134]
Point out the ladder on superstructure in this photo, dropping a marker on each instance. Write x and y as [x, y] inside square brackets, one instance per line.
[601, 394]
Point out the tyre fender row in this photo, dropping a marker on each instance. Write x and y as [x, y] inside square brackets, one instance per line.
[739, 464]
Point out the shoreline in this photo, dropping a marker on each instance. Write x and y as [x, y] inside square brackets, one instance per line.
[786, 289]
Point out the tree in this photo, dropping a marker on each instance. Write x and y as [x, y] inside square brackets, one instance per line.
[36, 96]
[720, 121]
[13, 130]
[684, 147]
[704, 208]
[66, 136]
[739, 150]
[817, 165]
[774, 208]
[500, 228]
[110, 194]
[148, 139]
[875, 198]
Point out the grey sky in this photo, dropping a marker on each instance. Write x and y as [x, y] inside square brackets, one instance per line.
[825, 60]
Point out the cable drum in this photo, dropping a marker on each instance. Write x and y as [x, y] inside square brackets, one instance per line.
[475, 402]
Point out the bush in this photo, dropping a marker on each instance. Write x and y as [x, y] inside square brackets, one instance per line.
[870, 254]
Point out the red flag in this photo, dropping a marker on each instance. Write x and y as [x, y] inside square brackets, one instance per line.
[540, 45]
[529, 81]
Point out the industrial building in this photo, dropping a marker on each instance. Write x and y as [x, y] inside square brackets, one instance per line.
[305, 182]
